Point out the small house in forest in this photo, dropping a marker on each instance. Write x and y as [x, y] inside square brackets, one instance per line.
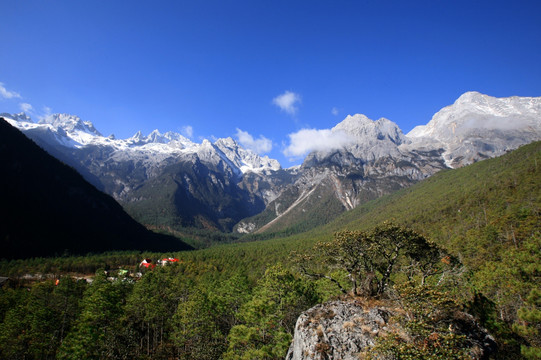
[166, 261]
[147, 263]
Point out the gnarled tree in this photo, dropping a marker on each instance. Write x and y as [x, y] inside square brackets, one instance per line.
[370, 258]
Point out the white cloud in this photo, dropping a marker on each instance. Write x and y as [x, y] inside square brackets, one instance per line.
[287, 102]
[45, 112]
[6, 94]
[26, 107]
[187, 131]
[306, 140]
[334, 111]
[259, 146]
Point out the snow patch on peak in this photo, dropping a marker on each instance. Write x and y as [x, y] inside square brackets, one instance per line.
[70, 131]
[136, 139]
[480, 124]
[155, 136]
[206, 143]
[168, 142]
[244, 159]
[227, 143]
[474, 112]
[166, 138]
[470, 96]
[22, 117]
[70, 123]
[367, 130]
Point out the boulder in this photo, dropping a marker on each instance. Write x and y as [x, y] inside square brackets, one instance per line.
[348, 329]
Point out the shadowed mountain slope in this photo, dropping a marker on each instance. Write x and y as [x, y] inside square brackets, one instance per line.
[48, 209]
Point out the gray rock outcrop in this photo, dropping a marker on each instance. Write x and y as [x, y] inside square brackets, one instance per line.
[337, 330]
[348, 329]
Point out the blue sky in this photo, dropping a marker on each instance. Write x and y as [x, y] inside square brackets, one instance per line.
[261, 70]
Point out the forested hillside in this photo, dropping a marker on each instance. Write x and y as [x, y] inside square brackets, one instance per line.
[241, 301]
[476, 212]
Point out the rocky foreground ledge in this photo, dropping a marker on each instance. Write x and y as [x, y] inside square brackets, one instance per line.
[348, 329]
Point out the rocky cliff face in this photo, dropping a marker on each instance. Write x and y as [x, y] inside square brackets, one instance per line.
[348, 329]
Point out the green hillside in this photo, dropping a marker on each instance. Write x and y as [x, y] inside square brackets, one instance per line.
[474, 211]
[241, 300]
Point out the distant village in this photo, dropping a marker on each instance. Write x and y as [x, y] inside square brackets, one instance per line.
[112, 275]
[148, 264]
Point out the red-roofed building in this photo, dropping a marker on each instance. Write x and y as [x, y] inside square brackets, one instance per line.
[166, 261]
[147, 263]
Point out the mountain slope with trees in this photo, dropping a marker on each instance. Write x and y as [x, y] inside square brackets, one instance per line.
[474, 211]
[48, 209]
[488, 216]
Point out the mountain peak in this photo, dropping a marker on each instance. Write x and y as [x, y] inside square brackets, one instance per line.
[470, 96]
[168, 139]
[365, 129]
[228, 142]
[353, 122]
[245, 160]
[474, 111]
[206, 143]
[22, 117]
[138, 136]
[156, 137]
[480, 124]
[70, 123]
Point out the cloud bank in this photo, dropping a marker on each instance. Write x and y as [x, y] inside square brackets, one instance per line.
[287, 102]
[260, 146]
[306, 140]
[26, 107]
[6, 94]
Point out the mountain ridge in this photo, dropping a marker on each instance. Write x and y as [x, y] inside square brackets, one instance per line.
[366, 159]
[382, 159]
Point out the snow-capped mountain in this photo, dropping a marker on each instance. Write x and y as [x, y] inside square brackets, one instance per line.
[245, 160]
[133, 170]
[72, 125]
[376, 158]
[70, 131]
[168, 180]
[368, 132]
[479, 126]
